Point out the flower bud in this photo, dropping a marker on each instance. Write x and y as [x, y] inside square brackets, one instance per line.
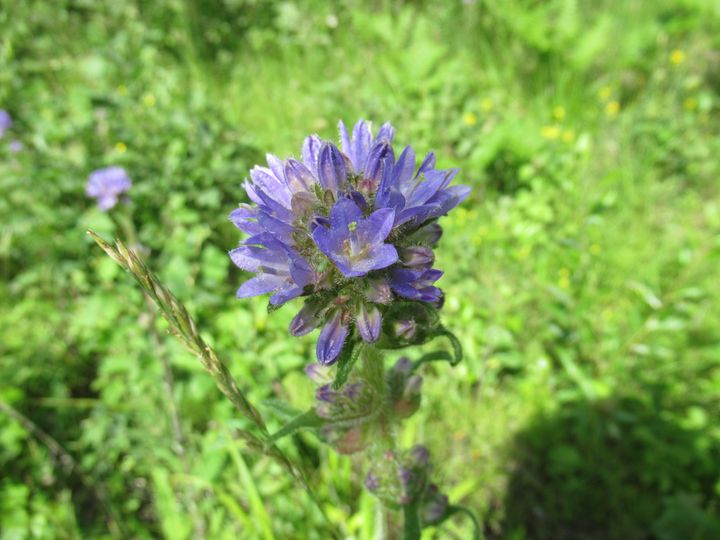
[325, 393]
[303, 203]
[398, 479]
[409, 402]
[411, 323]
[378, 292]
[346, 441]
[306, 320]
[299, 178]
[403, 365]
[405, 329]
[331, 340]
[413, 386]
[318, 373]
[369, 322]
[434, 505]
[371, 482]
[358, 199]
[429, 235]
[420, 455]
[319, 221]
[417, 256]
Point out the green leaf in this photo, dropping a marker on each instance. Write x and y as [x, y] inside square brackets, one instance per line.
[348, 357]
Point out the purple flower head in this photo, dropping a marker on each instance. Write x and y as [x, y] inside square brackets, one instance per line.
[5, 122]
[15, 146]
[349, 227]
[106, 185]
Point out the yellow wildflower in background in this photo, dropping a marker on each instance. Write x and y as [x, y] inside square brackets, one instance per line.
[677, 57]
[524, 252]
[564, 281]
[550, 132]
[559, 112]
[486, 104]
[690, 104]
[470, 119]
[120, 147]
[149, 100]
[612, 108]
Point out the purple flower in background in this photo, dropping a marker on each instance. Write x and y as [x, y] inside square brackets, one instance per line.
[5, 122]
[106, 185]
[15, 146]
[350, 227]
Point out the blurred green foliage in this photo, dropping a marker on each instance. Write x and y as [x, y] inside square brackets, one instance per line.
[581, 275]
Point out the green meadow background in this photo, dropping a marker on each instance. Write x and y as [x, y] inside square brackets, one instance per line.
[581, 274]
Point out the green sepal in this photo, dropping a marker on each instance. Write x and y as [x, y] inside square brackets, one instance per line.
[453, 359]
[307, 420]
[425, 316]
[457, 509]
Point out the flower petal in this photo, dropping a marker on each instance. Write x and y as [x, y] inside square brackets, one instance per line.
[331, 168]
[404, 167]
[345, 143]
[427, 164]
[361, 141]
[311, 152]
[376, 227]
[344, 212]
[387, 132]
[298, 176]
[260, 284]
